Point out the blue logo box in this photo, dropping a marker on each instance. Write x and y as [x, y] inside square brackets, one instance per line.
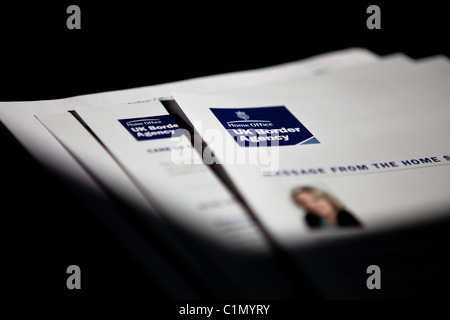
[151, 128]
[264, 126]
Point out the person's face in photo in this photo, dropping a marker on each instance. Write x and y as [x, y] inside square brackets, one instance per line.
[315, 204]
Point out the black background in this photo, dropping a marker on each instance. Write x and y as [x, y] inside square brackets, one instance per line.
[124, 45]
[127, 44]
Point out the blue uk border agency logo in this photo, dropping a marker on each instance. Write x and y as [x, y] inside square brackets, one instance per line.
[264, 126]
[242, 115]
[150, 128]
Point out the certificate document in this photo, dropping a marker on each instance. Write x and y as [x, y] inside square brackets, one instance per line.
[346, 153]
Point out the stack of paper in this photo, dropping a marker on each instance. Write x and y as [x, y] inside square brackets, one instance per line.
[236, 174]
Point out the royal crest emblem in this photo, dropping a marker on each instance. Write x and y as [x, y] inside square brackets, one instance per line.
[242, 115]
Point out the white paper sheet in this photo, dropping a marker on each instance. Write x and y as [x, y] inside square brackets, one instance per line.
[189, 193]
[391, 112]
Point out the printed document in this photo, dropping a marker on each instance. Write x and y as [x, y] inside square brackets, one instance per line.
[349, 152]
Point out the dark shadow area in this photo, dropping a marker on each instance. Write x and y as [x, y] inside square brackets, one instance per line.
[46, 229]
[412, 261]
[133, 44]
